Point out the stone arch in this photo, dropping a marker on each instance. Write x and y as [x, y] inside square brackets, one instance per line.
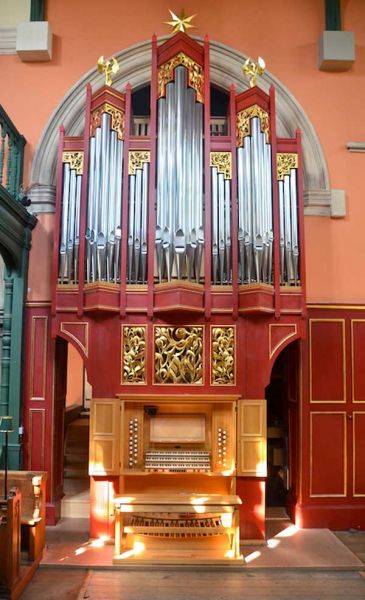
[226, 64]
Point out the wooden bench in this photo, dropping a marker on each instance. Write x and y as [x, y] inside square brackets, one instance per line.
[194, 529]
[32, 486]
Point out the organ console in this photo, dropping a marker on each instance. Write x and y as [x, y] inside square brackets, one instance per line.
[176, 477]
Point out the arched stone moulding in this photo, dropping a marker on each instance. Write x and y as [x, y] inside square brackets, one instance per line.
[226, 66]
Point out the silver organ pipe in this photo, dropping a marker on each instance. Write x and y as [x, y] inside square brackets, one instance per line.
[179, 235]
[255, 222]
[103, 229]
[221, 228]
[137, 225]
[70, 225]
[289, 239]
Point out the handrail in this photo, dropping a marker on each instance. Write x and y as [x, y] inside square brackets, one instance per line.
[11, 155]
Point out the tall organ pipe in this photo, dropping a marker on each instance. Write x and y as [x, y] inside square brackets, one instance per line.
[179, 226]
[103, 230]
[255, 232]
[289, 239]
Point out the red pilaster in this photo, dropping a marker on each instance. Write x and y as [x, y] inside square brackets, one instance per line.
[83, 207]
[123, 246]
[234, 207]
[152, 186]
[301, 222]
[56, 244]
[207, 182]
[275, 203]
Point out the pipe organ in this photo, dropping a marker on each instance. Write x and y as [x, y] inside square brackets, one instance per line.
[175, 231]
[177, 186]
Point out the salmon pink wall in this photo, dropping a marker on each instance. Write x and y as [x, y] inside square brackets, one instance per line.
[286, 34]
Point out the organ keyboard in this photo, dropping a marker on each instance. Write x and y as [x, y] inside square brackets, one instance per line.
[178, 461]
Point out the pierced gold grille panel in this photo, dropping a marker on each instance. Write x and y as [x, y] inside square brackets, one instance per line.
[223, 355]
[134, 354]
[179, 355]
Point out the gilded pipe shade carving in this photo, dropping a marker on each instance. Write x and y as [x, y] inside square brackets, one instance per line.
[178, 355]
[223, 162]
[243, 123]
[136, 160]
[117, 119]
[284, 162]
[75, 160]
[223, 355]
[195, 75]
[134, 354]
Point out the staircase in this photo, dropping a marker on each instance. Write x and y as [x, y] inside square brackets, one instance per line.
[76, 501]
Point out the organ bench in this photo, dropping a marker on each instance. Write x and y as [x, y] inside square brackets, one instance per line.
[185, 524]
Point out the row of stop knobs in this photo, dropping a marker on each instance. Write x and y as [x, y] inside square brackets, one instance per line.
[133, 442]
[222, 446]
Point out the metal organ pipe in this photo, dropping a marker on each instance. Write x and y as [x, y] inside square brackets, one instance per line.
[221, 228]
[103, 230]
[255, 221]
[179, 236]
[70, 225]
[289, 238]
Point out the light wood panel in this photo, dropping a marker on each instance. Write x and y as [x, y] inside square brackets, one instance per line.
[104, 437]
[251, 438]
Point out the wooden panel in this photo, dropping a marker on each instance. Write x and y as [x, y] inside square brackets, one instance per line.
[252, 457]
[359, 453]
[327, 367]
[358, 359]
[36, 439]
[251, 438]
[104, 437]
[252, 417]
[38, 358]
[328, 454]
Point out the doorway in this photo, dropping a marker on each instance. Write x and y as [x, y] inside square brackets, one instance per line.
[282, 395]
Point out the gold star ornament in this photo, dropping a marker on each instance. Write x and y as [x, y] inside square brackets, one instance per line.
[108, 67]
[181, 23]
[252, 69]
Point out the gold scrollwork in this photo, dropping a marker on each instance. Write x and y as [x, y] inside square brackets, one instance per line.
[223, 353]
[136, 158]
[134, 354]
[117, 118]
[195, 75]
[179, 355]
[243, 122]
[284, 162]
[223, 162]
[75, 159]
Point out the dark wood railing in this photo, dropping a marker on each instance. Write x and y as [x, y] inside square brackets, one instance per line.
[11, 155]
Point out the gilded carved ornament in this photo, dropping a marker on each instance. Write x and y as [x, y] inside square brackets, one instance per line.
[284, 162]
[223, 162]
[136, 159]
[223, 355]
[134, 354]
[75, 160]
[178, 355]
[117, 119]
[195, 75]
[243, 123]
[180, 22]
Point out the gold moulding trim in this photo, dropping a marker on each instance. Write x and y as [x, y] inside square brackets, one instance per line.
[223, 352]
[134, 354]
[75, 160]
[136, 159]
[195, 75]
[179, 355]
[243, 123]
[284, 162]
[223, 162]
[117, 119]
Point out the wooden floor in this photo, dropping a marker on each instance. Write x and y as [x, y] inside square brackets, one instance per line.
[49, 584]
